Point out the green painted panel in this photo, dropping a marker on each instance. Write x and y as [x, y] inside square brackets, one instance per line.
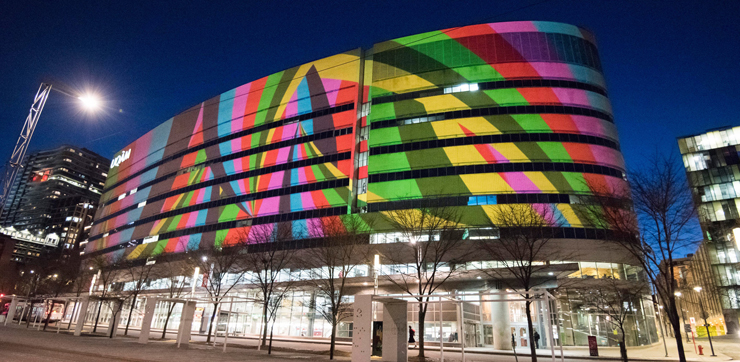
[555, 151]
[229, 213]
[418, 131]
[333, 197]
[559, 181]
[532, 122]
[381, 112]
[388, 162]
[444, 185]
[506, 97]
[391, 190]
[576, 181]
[409, 108]
[384, 136]
[429, 158]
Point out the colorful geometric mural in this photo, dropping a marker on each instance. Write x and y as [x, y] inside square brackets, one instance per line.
[472, 115]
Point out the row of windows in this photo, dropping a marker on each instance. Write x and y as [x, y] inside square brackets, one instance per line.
[497, 167]
[274, 124]
[711, 176]
[249, 152]
[493, 111]
[239, 176]
[549, 232]
[271, 219]
[499, 138]
[492, 48]
[233, 200]
[471, 201]
[524, 83]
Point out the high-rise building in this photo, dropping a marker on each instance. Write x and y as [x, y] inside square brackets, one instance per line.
[712, 162]
[475, 117]
[55, 194]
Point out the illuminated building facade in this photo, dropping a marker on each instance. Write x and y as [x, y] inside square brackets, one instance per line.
[712, 163]
[54, 195]
[472, 117]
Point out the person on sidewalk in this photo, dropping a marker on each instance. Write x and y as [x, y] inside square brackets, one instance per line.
[412, 333]
[536, 340]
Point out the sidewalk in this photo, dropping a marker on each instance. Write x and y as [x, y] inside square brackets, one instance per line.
[127, 349]
[726, 348]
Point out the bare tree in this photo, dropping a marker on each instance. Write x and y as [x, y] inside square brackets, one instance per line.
[656, 231]
[268, 270]
[176, 274]
[331, 264]
[617, 299]
[523, 251]
[139, 275]
[222, 269]
[431, 248]
[108, 272]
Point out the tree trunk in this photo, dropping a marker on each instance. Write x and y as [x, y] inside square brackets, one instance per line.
[97, 316]
[269, 349]
[333, 338]
[167, 320]
[530, 328]
[623, 348]
[420, 334]
[48, 315]
[676, 323]
[264, 322]
[130, 312]
[210, 325]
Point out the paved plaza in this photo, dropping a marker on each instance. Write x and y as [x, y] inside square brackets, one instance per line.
[18, 343]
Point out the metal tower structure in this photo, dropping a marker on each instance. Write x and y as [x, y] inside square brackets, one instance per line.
[19, 152]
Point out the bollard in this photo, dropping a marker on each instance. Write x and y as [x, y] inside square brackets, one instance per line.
[701, 350]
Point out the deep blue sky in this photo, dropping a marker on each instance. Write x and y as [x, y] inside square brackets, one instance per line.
[671, 66]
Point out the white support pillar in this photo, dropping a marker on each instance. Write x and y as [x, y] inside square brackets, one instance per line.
[115, 318]
[11, 311]
[544, 302]
[146, 323]
[460, 328]
[501, 322]
[395, 330]
[441, 334]
[362, 328]
[186, 322]
[84, 303]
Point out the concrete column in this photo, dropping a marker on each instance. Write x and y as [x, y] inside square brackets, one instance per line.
[146, 323]
[115, 318]
[362, 328]
[84, 303]
[186, 322]
[395, 330]
[501, 322]
[11, 311]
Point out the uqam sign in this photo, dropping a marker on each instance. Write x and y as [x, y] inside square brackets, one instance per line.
[120, 158]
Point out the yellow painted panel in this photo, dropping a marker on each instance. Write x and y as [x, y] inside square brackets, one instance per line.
[464, 155]
[442, 103]
[334, 170]
[486, 183]
[451, 128]
[570, 215]
[136, 252]
[410, 82]
[510, 151]
[373, 197]
[542, 183]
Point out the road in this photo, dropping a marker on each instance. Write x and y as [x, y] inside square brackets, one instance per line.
[23, 353]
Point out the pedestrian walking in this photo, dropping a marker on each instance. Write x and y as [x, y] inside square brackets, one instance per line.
[412, 334]
[536, 340]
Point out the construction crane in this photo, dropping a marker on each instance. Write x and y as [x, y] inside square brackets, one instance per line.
[19, 152]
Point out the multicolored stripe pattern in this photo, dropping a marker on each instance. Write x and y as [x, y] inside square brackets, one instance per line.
[519, 94]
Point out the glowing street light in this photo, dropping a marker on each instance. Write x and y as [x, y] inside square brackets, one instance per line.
[704, 316]
[91, 102]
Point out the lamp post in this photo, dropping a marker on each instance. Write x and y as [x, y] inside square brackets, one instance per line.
[683, 315]
[15, 163]
[704, 316]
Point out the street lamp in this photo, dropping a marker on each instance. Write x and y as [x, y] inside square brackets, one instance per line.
[89, 101]
[704, 316]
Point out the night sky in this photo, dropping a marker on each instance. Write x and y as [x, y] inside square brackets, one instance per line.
[671, 66]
